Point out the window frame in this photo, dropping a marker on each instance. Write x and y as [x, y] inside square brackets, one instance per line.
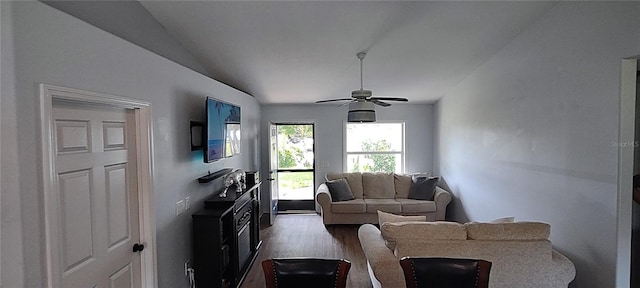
[345, 154]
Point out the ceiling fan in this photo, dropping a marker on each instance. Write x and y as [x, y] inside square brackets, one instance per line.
[361, 104]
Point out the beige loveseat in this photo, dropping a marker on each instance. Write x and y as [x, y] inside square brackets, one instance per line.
[520, 252]
[386, 192]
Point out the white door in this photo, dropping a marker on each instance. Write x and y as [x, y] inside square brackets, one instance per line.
[273, 171]
[95, 203]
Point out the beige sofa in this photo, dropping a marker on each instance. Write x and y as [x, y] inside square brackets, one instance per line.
[386, 192]
[520, 252]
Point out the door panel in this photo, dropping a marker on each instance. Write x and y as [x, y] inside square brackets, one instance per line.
[96, 196]
[117, 205]
[122, 278]
[73, 136]
[76, 219]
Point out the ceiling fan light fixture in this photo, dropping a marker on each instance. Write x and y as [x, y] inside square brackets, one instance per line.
[361, 111]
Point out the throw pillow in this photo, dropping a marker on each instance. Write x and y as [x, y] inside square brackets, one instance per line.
[423, 187]
[339, 190]
[384, 217]
[378, 185]
[402, 184]
[504, 220]
[354, 179]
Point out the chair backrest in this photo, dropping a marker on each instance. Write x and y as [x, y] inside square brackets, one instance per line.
[445, 272]
[305, 272]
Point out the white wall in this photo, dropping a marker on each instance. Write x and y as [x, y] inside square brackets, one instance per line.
[329, 124]
[132, 22]
[531, 133]
[54, 48]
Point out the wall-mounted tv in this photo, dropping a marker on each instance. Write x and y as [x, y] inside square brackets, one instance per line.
[222, 130]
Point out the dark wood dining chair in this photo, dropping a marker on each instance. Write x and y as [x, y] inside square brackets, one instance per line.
[305, 272]
[445, 272]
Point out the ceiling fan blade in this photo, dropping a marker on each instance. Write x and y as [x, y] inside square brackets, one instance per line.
[332, 100]
[376, 101]
[390, 99]
[346, 103]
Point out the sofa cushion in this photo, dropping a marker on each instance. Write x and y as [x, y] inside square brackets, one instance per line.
[410, 206]
[385, 205]
[508, 231]
[378, 186]
[402, 184]
[423, 187]
[350, 206]
[339, 190]
[354, 179]
[416, 231]
[384, 217]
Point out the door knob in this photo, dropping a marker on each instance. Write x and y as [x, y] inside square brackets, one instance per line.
[270, 179]
[138, 247]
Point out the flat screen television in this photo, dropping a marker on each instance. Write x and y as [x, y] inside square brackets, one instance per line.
[222, 130]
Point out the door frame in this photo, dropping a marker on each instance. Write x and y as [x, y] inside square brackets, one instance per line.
[299, 204]
[144, 155]
[625, 147]
[273, 193]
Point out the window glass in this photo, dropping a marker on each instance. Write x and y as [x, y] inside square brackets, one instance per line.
[374, 137]
[374, 147]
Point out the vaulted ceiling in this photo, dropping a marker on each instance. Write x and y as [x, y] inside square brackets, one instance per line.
[300, 52]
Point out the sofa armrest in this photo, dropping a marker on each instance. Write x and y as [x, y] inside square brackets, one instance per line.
[562, 269]
[442, 199]
[383, 262]
[324, 197]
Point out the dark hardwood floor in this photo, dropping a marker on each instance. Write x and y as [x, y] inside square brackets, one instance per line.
[304, 235]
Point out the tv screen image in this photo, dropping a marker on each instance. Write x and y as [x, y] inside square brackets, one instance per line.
[223, 130]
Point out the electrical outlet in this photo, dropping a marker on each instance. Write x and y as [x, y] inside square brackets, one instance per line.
[187, 203]
[179, 207]
[186, 268]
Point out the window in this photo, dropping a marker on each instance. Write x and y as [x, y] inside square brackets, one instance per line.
[374, 147]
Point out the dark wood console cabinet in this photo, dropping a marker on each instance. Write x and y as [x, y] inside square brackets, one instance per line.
[226, 238]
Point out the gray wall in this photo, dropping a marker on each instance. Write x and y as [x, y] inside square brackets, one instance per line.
[49, 46]
[329, 124]
[635, 218]
[531, 133]
[11, 229]
[129, 20]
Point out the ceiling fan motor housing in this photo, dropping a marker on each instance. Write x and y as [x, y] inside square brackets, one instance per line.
[361, 111]
[361, 93]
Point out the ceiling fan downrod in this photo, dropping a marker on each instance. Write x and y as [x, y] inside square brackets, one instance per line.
[360, 56]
